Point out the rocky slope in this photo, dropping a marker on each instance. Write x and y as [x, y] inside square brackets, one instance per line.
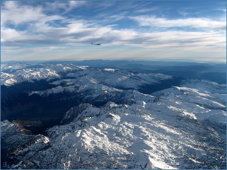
[182, 127]
[45, 92]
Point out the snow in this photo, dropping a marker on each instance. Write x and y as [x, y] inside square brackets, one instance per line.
[109, 69]
[22, 72]
[10, 82]
[175, 128]
[136, 136]
[120, 78]
[148, 141]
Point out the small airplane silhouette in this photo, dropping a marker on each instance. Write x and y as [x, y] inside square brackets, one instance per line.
[96, 44]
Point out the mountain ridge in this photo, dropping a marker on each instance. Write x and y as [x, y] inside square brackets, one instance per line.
[104, 125]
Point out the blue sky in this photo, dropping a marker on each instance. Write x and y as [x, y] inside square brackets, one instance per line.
[134, 30]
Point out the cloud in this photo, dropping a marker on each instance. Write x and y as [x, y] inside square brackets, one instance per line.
[146, 10]
[170, 40]
[104, 19]
[79, 33]
[11, 13]
[42, 29]
[153, 21]
[133, 5]
[101, 6]
[14, 14]
[223, 10]
[183, 13]
[65, 5]
[34, 49]
[119, 6]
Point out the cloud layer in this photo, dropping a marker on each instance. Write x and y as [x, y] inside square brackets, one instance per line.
[153, 21]
[35, 25]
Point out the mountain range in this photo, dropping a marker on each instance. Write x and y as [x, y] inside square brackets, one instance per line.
[67, 116]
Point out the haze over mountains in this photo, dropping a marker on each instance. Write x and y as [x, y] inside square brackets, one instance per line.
[111, 114]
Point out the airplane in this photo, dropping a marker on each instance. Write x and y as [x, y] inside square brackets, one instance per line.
[96, 44]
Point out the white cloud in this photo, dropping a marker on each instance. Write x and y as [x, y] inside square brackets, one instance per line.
[14, 37]
[153, 21]
[66, 5]
[12, 13]
[81, 32]
[17, 14]
[101, 6]
[169, 40]
[223, 10]
[147, 10]
[183, 13]
[34, 49]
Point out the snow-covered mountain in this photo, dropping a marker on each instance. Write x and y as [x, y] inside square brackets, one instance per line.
[179, 127]
[12, 74]
[17, 73]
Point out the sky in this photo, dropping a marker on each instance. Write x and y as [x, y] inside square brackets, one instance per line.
[129, 30]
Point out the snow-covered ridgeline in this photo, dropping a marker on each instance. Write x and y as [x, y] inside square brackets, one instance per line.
[17, 73]
[97, 81]
[202, 103]
[28, 75]
[120, 78]
[182, 127]
[83, 85]
[12, 67]
[127, 136]
[169, 129]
